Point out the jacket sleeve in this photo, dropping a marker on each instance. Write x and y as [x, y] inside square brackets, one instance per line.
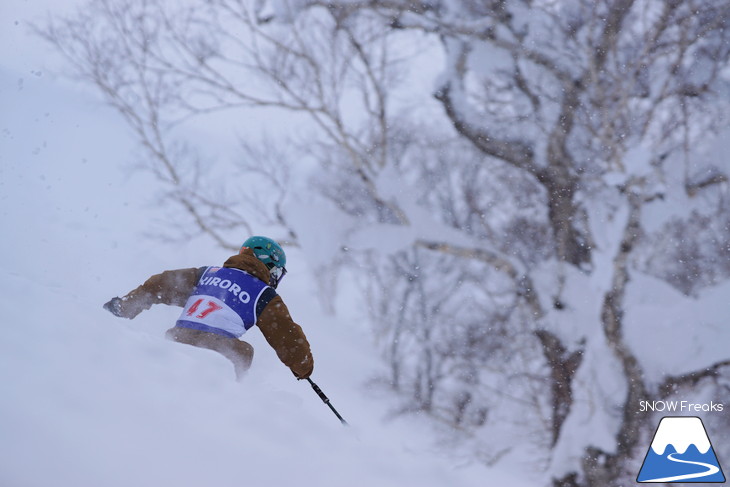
[168, 287]
[286, 338]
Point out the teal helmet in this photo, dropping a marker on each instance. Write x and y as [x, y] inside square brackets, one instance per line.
[270, 253]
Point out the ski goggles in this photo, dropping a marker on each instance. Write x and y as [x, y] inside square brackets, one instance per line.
[276, 275]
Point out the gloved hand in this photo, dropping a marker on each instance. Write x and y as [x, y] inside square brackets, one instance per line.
[114, 306]
[303, 374]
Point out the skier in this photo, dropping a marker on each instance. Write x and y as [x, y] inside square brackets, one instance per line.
[221, 303]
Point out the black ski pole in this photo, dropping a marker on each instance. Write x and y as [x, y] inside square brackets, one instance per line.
[326, 400]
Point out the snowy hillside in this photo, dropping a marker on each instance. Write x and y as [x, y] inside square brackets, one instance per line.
[93, 400]
[469, 216]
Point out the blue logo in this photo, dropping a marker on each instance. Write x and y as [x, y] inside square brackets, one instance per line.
[681, 452]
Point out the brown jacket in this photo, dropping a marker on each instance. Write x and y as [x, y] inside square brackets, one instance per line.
[282, 333]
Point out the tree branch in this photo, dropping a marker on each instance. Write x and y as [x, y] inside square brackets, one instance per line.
[672, 384]
[563, 366]
[516, 152]
[522, 281]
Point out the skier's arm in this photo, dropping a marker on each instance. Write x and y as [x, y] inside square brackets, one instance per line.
[168, 287]
[286, 338]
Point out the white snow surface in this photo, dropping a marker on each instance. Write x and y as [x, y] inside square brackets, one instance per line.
[91, 399]
[672, 334]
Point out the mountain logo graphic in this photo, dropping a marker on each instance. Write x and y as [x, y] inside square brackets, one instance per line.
[681, 452]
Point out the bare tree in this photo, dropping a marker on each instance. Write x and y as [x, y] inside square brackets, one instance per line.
[572, 92]
[161, 65]
[503, 222]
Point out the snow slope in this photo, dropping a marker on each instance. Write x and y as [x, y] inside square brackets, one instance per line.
[89, 399]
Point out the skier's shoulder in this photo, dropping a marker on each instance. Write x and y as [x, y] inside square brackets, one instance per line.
[247, 262]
